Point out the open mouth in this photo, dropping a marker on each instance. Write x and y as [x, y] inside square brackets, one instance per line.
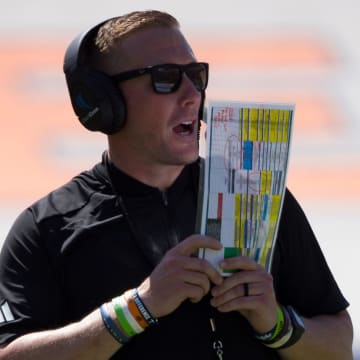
[185, 128]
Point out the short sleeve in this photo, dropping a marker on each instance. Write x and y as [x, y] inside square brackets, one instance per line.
[301, 274]
[30, 299]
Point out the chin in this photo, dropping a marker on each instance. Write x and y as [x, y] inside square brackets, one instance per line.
[188, 159]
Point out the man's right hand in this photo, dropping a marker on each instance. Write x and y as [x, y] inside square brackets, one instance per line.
[180, 276]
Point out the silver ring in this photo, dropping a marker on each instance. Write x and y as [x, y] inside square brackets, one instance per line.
[246, 289]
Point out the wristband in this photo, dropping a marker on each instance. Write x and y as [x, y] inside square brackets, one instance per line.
[143, 310]
[122, 319]
[110, 325]
[293, 330]
[284, 330]
[282, 341]
[297, 325]
[276, 330]
[134, 309]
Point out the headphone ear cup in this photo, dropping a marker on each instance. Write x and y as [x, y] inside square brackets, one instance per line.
[96, 100]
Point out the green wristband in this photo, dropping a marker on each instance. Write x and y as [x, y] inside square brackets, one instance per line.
[279, 323]
[276, 330]
[122, 319]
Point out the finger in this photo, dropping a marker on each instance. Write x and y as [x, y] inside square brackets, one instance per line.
[196, 278]
[189, 285]
[203, 267]
[193, 243]
[259, 303]
[239, 263]
[240, 291]
[195, 293]
[238, 303]
[238, 279]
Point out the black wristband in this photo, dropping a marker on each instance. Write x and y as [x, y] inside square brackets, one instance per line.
[298, 327]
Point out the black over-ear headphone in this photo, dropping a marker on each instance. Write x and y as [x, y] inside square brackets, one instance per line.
[96, 100]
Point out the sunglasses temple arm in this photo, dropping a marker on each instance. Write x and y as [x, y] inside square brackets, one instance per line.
[204, 114]
[202, 109]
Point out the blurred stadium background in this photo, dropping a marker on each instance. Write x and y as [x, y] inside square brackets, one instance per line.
[305, 53]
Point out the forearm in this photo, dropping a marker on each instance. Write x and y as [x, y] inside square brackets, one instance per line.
[326, 337]
[87, 339]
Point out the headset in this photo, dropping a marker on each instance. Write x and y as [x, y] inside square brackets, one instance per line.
[96, 99]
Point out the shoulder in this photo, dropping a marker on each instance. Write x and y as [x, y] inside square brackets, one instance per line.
[66, 205]
[74, 195]
[292, 215]
[64, 213]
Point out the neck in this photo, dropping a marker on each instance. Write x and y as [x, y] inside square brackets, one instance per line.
[156, 175]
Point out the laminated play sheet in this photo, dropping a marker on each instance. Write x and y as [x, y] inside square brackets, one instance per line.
[244, 178]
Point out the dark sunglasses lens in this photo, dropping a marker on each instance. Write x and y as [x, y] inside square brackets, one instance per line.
[166, 79]
[197, 73]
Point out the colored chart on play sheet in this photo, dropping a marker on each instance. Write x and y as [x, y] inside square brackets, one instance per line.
[244, 178]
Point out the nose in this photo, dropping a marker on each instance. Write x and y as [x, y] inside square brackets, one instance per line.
[190, 94]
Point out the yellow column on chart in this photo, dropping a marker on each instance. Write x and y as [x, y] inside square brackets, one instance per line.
[264, 255]
[261, 125]
[274, 122]
[274, 212]
[280, 130]
[245, 127]
[269, 176]
[266, 127]
[286, 126]
[263, 183]
[243, 216]
[254, 121]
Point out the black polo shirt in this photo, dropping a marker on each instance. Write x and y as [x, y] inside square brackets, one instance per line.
[104, 232]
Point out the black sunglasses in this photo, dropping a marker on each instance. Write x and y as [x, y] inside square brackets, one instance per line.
[166, 78]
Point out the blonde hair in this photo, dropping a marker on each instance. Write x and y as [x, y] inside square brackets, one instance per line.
[122, 26]
[113, 31]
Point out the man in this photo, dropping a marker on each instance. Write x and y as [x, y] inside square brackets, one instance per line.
[104, 267]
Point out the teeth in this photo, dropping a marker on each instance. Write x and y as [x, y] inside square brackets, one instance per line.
[185, 128]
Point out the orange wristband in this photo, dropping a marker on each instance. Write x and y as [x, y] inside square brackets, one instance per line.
[134, 309]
